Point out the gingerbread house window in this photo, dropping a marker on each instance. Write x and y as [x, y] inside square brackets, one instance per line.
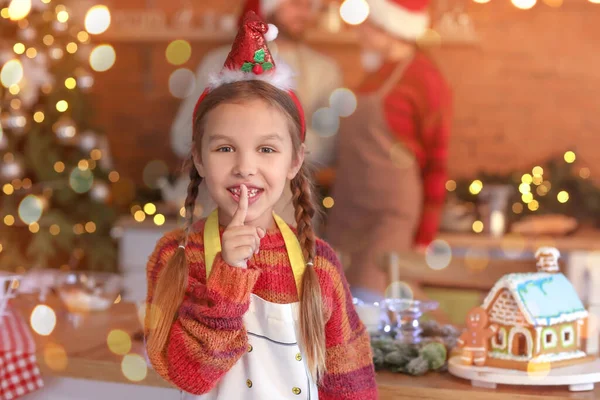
[568, 336]
[499, 339]
[549, 338]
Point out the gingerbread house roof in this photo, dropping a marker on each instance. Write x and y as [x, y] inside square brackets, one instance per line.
[543, 298]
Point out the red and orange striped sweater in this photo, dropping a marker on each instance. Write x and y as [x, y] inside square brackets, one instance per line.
[208, 336]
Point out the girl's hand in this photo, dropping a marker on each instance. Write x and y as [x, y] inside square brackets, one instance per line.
[240, 242]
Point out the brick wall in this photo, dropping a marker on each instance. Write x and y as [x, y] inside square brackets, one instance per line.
[527, 92]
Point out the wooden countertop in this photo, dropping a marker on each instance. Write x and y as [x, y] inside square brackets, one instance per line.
[584, 239]
[88, 357]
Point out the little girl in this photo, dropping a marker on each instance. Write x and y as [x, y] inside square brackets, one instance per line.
[240, 306]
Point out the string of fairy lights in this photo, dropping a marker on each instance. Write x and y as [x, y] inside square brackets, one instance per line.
[533, 185]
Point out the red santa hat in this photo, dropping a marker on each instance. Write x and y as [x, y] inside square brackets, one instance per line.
[406, 19]
[250, 59]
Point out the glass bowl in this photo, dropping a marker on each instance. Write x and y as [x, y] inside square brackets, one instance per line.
[407, 313]
[86, 291]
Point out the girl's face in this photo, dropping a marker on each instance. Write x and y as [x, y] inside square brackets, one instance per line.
[247, 143]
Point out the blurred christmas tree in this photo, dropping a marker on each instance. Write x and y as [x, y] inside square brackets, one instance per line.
[55, 173]
[557, 185]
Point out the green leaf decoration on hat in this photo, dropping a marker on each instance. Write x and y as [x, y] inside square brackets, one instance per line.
[267, 66]
[247, 67]
[259, 56]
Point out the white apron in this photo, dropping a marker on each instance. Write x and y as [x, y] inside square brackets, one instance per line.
[273, 367]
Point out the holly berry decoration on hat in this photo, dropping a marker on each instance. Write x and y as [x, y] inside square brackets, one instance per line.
[249, 52]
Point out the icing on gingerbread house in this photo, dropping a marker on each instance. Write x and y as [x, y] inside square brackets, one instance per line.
[539, 316]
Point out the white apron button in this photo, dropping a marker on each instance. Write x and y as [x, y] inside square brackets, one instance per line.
[296, 391]
[249, 383]
[298, 357]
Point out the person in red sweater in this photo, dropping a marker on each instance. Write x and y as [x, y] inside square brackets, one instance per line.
[240, 305]
[389, 187]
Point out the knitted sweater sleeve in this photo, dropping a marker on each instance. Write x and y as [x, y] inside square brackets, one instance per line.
[350, 372]
[208, 336]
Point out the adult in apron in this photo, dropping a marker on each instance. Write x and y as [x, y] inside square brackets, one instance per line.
[378, 194]
[274, 366]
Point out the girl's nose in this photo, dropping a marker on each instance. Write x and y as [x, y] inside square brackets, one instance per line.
[245, 165]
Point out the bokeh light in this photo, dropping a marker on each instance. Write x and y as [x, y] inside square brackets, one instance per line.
[81, 181]
[325, 122]
[9, 220]
[562, 196]
[134, 367]
[354, 12]
[451, 186]
[19, 48]
[43, 320]
[438, 254]
[90, 227]
[153, 171]
[70, 83]
[59, 166]
[477, 226]
[97, 20]
[159, 219]
[11, 73]
[584, 172]
[517, 208]
[119, 342]
[182, 83]
[30, 209]
[34, 228]
[55, 357]
[524, 4]
[39, 117]
[139, 216]
[343, 102]
[19, 9]
[102, 58]
[62, 106]
[476, 187]
[178, 52]
[328, 202]
[149, 208]
[570, 157]
[527, 198]
[538, 370]
[525, 188]
[533, 205]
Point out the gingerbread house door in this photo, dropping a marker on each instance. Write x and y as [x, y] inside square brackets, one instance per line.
[520, 342]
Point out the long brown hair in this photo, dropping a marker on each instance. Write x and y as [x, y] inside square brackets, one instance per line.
[172, 281]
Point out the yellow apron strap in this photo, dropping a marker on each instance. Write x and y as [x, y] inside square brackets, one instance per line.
[294, 251]
[212, 240]
[212, 246]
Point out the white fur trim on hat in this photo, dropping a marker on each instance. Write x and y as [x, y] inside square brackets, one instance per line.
[282, 77]
[398, 21]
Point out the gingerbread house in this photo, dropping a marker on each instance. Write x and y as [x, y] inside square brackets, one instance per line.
[539, 318]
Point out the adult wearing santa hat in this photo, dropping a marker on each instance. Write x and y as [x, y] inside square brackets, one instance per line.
[317, 76]
[391, 169]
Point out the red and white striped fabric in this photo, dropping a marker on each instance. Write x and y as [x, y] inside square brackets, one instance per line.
[19, 370]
